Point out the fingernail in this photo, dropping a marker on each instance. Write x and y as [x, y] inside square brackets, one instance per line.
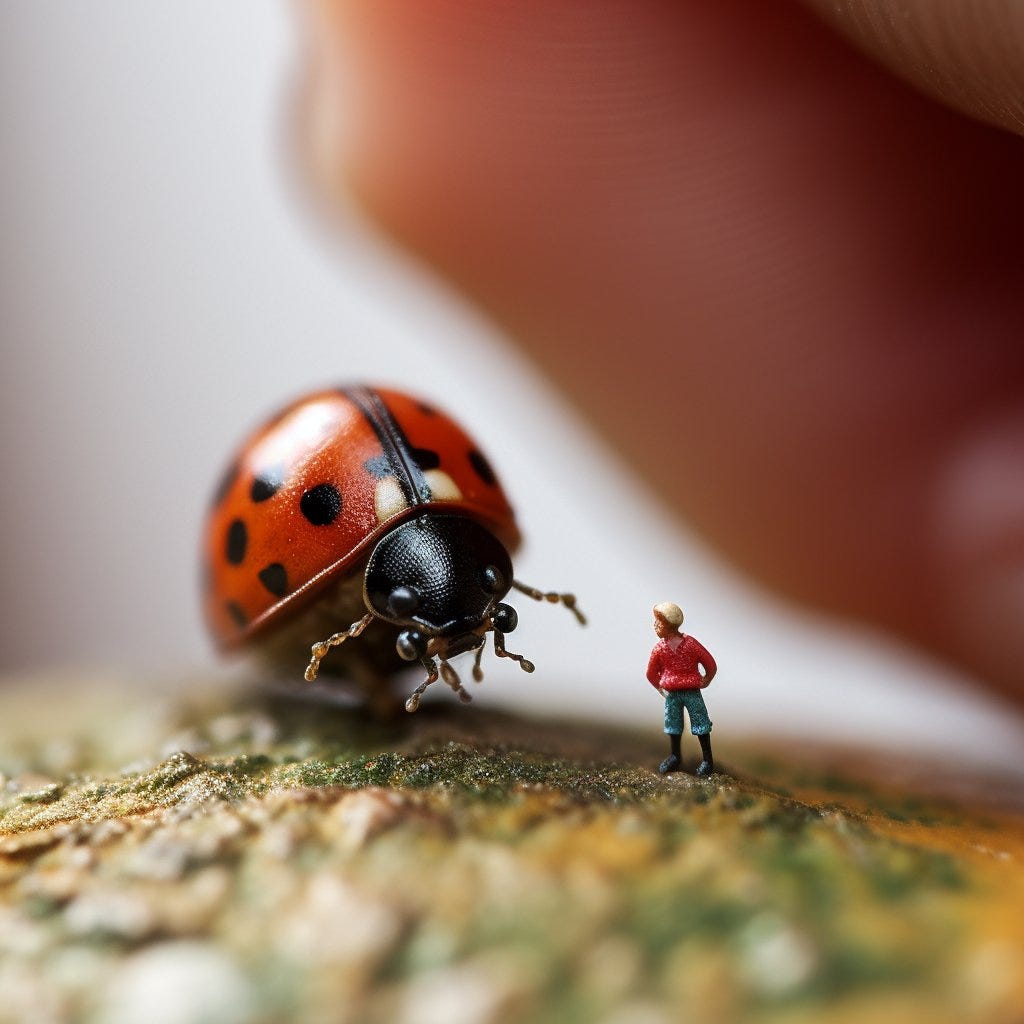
[979, 539]
[988, 623]
[981, 501]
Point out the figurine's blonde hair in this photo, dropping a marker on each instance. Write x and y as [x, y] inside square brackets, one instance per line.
[670, 612]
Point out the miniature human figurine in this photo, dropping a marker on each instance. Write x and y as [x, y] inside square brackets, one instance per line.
[675, 671]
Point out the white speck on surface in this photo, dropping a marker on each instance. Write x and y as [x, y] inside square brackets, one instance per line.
[105, 831]
[177, 983]
[334, 923]
[365, 813]
[459, 995]
[80, 857]
[108, 912]
[162, 857]
[280, 840]
[776, 958]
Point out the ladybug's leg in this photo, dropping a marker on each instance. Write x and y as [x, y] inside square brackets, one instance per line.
[499, 649]
[569, 600]
[451, 677]
[319, 650]
[478, 672]
[413, 703]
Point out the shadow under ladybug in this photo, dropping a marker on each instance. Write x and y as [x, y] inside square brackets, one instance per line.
[440, 579]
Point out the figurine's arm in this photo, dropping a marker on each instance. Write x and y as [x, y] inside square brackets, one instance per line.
[705, 660]
[654, 669]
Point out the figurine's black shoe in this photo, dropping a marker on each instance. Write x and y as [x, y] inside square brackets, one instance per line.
[707, 764]
[670, 764]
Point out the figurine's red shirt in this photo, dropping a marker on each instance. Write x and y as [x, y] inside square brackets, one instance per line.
[674, 661]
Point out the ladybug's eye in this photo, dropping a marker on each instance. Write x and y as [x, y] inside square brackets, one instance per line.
[411, 645]
[403, 601]
[493, 581]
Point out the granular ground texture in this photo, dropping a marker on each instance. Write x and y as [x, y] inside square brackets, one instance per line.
[263, 858]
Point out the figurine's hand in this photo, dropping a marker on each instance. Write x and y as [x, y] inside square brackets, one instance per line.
[727, 202]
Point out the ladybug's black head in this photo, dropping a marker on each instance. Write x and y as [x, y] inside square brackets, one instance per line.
[439, 576]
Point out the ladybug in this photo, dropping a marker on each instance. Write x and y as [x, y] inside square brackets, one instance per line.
[364, 505]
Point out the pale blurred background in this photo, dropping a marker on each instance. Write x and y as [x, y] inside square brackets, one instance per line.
[165, 284]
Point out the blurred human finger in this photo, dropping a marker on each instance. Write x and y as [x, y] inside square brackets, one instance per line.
[720, 224]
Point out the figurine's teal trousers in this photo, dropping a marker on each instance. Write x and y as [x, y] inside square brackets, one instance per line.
[693, 701]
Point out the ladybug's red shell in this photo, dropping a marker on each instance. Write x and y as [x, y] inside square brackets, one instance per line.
[314, 488]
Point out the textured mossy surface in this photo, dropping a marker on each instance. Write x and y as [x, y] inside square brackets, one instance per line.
[259, 858]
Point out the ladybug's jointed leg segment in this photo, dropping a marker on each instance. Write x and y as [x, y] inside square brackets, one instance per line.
[478, 672]
[569, 600]
[499, 649]
[413, 703]
[451, 677]
[319, 650]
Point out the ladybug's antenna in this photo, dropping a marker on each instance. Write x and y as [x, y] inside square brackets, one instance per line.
[569, 600]
[319, 650]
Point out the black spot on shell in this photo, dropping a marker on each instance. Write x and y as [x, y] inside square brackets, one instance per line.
[425, 458]
[224, 484]
[237, 615]
[274, 578]
[427, 410]
[482, 467]
[321, 505]
[267, 483]
[236, 543]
